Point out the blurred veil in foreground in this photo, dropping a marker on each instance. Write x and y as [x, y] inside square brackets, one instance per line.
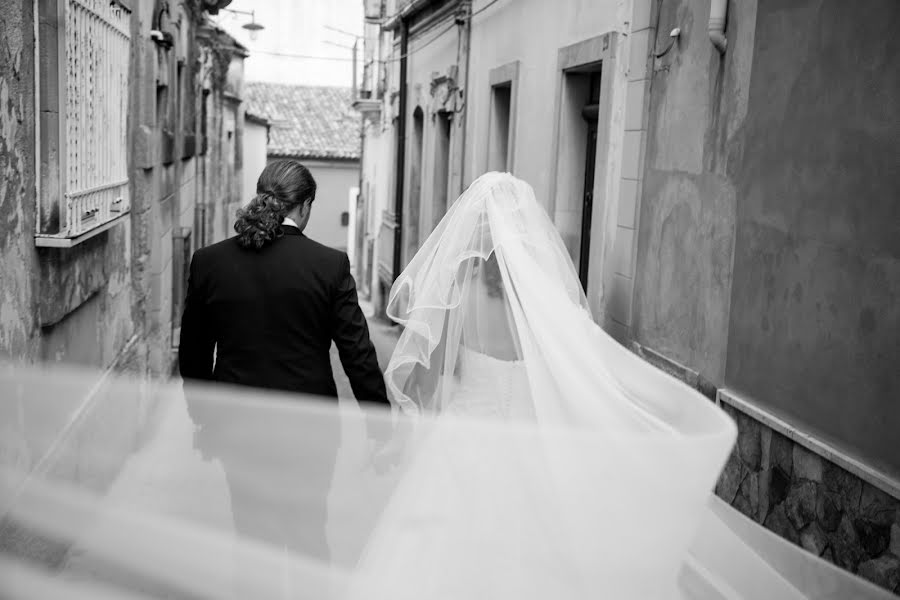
[595, 483]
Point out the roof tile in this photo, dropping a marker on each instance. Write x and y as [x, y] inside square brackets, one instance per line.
[307, 121]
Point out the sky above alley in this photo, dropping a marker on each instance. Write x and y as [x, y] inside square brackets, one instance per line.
[294, 29]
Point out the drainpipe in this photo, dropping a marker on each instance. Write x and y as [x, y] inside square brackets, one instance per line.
[361, 250]
[401, 151]
[464, 23]
[718, 11]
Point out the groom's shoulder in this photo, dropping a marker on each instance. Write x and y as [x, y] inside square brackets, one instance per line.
[218, 249]
[324, 253]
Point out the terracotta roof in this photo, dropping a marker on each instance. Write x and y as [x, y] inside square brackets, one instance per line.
[259, 119]
[306, 121]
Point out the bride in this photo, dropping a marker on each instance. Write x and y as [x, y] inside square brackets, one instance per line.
[611, 498]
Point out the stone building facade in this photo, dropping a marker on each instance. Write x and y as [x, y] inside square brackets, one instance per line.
[97, 280]
[765, 266]
[726, 186]
[118, 158]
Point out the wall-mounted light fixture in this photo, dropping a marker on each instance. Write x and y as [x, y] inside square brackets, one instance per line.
[253, 27]
[674, 34]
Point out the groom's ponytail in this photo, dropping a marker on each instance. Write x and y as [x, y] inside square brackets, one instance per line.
[260, 221]
[282, 186]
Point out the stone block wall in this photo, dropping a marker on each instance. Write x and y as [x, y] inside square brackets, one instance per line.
[812, 502]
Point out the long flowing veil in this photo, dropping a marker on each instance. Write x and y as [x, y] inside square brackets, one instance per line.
[496, 278]
[599, 486]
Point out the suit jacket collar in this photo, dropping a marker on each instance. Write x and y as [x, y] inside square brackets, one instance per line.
[291, 230]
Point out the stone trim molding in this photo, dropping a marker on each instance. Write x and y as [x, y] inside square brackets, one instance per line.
[814, 444]
[822, 448]
[812, 501]
[675, 369]
[508, 73]
[586, 52]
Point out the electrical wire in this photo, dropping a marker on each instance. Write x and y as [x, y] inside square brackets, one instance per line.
[421, 46]
[485, 7]
[343, 59]
[301, 56]
[389, 60]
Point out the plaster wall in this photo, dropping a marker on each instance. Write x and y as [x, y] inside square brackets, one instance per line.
[255, 141]
[814, 314]
[497, 39]
[334, 180]
[767, 255]
[698, 103]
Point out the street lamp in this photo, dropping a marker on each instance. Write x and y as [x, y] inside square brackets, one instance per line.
[253, 27]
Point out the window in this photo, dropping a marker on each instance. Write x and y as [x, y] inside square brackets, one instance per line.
[502, 117]
[589, 114]
[204, 121]
[186, 111]
[443, 120]
[581, 142]
[411, 216]
[85, 48]
[181, 263]
[498, 146]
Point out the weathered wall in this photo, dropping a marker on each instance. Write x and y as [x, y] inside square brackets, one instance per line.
[58, 305]
[779, 158]
[72, 305]
[814, 316]
[219, 168]
[17, 173]
[686, 224]
[333, 183]
[377, 192]
[768, 263]
[254, 151]
[109, 302]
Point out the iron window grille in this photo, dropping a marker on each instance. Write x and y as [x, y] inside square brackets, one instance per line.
[84, 49]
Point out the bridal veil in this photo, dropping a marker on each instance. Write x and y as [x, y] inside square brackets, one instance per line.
[602, 488]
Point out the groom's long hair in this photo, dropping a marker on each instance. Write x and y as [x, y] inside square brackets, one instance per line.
[282, 186]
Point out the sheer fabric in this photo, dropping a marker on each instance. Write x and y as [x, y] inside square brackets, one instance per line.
[98, 504]
[560, 465]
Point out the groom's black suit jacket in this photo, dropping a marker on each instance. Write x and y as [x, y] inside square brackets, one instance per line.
[271, 315]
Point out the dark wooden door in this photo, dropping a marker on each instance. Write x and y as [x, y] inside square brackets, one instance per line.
[589, 113]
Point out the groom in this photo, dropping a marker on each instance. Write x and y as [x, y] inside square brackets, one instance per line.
[267, 304]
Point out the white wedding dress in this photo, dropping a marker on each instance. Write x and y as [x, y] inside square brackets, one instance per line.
[490, 387]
